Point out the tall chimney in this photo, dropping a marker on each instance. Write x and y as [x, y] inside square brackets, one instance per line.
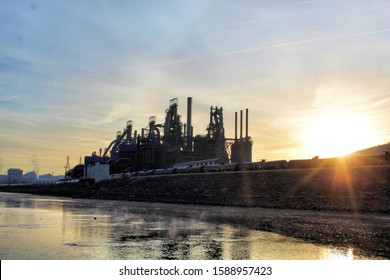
[235, 126]
[246, 124]
[189, 123]
[240, 124]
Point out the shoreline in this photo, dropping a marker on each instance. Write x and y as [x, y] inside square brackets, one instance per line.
[367, 235]
[347, 208]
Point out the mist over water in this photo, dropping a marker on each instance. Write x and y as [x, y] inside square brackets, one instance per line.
[37, 227]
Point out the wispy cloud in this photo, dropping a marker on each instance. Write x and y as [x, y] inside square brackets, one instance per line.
[305, 41]
[234, 52]
[9, 98]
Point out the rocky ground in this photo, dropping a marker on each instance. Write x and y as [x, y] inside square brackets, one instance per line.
[367, 234]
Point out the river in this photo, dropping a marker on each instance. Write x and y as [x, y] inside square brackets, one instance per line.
[45, 228]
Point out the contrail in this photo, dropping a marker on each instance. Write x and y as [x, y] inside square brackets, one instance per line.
[239, 51]
[299, 42]
[8, 98]
[255, 49]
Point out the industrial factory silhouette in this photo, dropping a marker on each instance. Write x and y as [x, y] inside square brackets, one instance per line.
[171, 144]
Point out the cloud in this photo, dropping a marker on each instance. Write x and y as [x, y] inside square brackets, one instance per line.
[119, 111]
[9, 98]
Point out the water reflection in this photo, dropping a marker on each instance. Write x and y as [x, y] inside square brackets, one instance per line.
[339, 254]
[35, 227]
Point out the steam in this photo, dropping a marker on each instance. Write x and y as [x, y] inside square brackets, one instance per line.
[34, 162]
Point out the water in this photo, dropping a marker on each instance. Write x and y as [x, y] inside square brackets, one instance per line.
[41, 227]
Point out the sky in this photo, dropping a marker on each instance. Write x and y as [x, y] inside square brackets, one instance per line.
[313, 74]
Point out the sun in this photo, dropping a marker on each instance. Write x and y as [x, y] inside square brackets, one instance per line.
[339, 133]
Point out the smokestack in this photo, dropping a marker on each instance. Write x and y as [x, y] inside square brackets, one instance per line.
[240, 124]
[129, 126]
[189, 123]
[235, 126]
[211, 114]
[246, 124]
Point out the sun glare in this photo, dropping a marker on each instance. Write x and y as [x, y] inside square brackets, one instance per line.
[338, 134]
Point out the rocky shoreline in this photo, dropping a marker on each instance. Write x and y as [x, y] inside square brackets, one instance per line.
[336, 206]
[365, 235]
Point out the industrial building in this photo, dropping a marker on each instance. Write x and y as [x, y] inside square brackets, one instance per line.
[163, 145]
[16, 176]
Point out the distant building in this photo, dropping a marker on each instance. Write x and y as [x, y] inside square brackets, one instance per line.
[4, 180]
[30, 177]
[15, 176]
[49, 178]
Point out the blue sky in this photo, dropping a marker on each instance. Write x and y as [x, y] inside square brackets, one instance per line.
[73, 72]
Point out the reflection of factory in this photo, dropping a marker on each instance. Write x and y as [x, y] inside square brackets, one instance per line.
[173, 142]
